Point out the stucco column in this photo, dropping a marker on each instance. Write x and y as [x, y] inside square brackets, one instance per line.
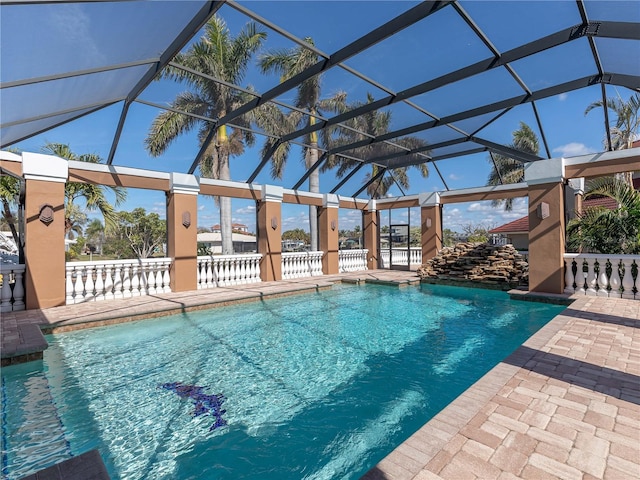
[182, 231]
[328, 220]
[270, 233]
[431, 224]
[546, 225]
[370, 232]
[45, 177]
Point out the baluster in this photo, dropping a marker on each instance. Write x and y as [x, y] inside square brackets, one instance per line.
[216, 271]
[159, 273]
[207, 279]
[126, 280]
[135, 280]
[5, 292]
[108, 282]
[202, 275]
[117, 281]
[99, 284]
[68, 287]
[18, 290]
[89, 284]
[567, 276]
[627, 279]
[144, 271]
[603, 278]
[166, 278]
[256, 266]
[233, 271]
[636, 280]
[79, 287]
[151, 279]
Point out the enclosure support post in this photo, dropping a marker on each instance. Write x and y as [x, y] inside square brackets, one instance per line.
[431, 225]
[270, 233]
[182, 231]
[370, 231]
[328, 219]
[545, 179]
[45, 177]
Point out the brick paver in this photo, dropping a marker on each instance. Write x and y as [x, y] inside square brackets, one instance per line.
[570, 408]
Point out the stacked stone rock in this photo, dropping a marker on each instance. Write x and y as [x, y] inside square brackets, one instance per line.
[500, 266]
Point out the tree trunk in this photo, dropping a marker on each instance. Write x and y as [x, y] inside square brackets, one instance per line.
[225, 208]
[314, 187]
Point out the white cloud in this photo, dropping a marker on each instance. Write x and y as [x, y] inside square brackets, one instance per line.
[453, 176]
[246, 210]
[201, 207]
[573, 149]
[563, 96]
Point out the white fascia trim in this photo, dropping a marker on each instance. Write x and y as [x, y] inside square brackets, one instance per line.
[360, 201]
[48, 168]
[230, 183]
[302, 193]
[603, 157]
[487, 189]
[183, 183]
[118, 170]
[383, 201]
[12, 157]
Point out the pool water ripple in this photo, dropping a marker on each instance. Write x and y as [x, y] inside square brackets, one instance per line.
[317, 386]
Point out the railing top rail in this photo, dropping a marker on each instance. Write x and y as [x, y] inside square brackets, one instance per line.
[250, 256]
[602, 256]
[302, 254]
[138, 261]
[8, 267]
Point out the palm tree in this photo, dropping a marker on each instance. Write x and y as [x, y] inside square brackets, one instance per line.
[625, 129]
[288, 63]
[600, 230]
[375, 123]
[510, 169]
[94, 196]
[219, 55]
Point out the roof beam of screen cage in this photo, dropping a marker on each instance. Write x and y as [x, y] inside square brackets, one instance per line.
[507, 151]
[606, 29]
[598, 62]
[393, 26]
[495, 166]
[371, 180]
[91, 109]
[618, 79]
[310, 170]
[195, 24]
[544, 137]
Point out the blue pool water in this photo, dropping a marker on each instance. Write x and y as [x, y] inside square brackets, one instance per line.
[316, 386]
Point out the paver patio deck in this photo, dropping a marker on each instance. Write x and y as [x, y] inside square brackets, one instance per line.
[565, 405]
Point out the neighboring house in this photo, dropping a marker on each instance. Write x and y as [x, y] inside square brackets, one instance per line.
[235, 227]
[241, 243]
[517, 232]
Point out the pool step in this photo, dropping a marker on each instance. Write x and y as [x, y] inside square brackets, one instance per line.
[30, 345]
[85, 466]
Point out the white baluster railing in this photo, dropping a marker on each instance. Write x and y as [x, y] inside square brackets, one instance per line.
[301, 264]
[352, 260]
[399, 256]
[225, 270]
[602, 275]
[11, 287]
[110, 279]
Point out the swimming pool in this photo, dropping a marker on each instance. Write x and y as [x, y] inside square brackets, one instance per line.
[315, 386]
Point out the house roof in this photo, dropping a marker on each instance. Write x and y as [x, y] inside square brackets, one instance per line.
[217, 237]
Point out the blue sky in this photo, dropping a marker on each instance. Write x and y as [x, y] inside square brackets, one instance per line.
[424, 50]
